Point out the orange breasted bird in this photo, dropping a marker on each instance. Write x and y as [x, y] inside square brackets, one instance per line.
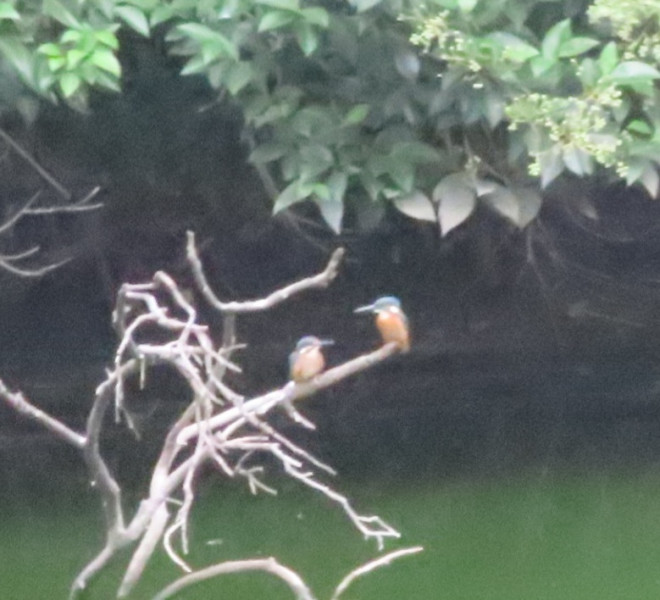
[390, 320]
[307, 360]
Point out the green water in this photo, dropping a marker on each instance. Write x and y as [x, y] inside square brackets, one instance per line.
[541, 536]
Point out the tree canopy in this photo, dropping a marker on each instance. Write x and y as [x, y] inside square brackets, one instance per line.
[435, 107]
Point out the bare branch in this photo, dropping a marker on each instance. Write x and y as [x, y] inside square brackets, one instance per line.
[269, 565]
[321, 280]
[61, 190]
[20, 403]
[372, 565]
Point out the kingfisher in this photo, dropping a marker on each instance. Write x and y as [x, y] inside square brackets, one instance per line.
[307, 360]
[390, 320]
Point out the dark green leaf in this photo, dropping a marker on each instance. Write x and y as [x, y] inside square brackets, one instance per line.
[275, 19]
[518, 205]
[292, 5]
[415, 152]
[57, 11]
[362, 5]
[316, 16]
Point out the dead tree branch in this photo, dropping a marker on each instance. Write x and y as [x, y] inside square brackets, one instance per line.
[218, 426]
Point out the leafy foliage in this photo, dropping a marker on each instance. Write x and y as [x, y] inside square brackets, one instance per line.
[436, 108]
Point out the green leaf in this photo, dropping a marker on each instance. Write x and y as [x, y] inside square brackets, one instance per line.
[267, 153]
[19, 56]
[294, 192]
[332, 213]
[161, 14]
[541, 65]
[518, 205]
[577, 160]
[403, 175]
[576, 46]
[57, 11]
[632, 70]
[238, 76]
[337, 183]
[356, 115]
[69, 84]
[108, 38]
[362, 5]
[415, 152]
[306, 37]
[74, 57]
[640, 127]
[466, 6]
[293, 5]
[55, 63]
[205, 35]
[105, 59]
[134, 18]
[50, 50]
[275, 19]
[551, 164]
[555, 37]
[608, 59]
[316, 16]
[8, 12]
[457, 201]
[650, 180]
[416, 205]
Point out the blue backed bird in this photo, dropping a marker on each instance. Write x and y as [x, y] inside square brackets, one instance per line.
[307, 360]
[390, 320]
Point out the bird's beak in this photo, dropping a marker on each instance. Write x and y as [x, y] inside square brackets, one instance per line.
[368, 308]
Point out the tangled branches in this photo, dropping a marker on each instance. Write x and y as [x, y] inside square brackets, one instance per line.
[158, 325]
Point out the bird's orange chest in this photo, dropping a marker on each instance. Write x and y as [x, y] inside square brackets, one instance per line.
[308, 363]
[392, 327]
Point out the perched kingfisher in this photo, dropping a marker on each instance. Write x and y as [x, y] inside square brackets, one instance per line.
[390, 320]
[307, 360]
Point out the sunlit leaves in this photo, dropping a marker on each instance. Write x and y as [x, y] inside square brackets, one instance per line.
[456, 200]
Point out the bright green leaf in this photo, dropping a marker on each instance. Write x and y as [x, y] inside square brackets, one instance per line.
[74, 57]
[466, 6]
[356, 115]
[134, 18]
[51, 50]
[8, 12]
[69, 84]
[107, 38]
[608, 59]
[205, 35]
[104, 59]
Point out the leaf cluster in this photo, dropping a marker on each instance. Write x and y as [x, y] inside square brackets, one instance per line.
[433, 107]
